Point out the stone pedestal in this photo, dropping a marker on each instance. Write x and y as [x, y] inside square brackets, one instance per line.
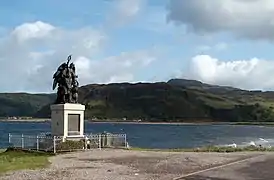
[67, 120]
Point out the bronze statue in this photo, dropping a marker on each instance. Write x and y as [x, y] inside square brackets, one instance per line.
[66, 79]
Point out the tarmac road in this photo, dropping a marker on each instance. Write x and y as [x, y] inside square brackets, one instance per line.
[259, 168]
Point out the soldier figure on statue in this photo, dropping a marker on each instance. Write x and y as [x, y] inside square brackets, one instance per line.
[66, 80]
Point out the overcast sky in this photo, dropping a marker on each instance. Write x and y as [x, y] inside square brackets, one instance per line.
[224, 42]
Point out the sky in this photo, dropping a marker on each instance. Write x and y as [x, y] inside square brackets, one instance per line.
[222, 42]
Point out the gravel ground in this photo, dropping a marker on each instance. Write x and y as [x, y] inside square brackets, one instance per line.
[125, 165]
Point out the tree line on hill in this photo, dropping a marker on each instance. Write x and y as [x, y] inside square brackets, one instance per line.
[177, 100]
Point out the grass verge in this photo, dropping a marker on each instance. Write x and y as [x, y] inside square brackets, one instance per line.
[11, 160]
[208, 149]
[2, 150]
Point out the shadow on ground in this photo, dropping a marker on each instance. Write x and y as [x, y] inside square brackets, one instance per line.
[262, 170]
[259, 170]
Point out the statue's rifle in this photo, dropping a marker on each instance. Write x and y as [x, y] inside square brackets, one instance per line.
[69, 58]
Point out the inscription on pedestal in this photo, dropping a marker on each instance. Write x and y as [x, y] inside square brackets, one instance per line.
[73, 124]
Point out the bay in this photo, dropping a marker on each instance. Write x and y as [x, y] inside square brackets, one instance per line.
[158, 135]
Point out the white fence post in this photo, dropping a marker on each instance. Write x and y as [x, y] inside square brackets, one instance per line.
[125, 140]
[54, 145]
[86, 141]
[22, 141]
[9, 139]
[100, 145]
[37, 143]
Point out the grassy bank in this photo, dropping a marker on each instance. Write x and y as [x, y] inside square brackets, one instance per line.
[209, 149]
[15, 160]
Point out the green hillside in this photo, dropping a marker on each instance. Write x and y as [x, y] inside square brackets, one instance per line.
[178, 100]
[23, 104]
[170, 102]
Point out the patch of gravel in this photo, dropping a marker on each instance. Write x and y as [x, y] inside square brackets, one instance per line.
[124, 165]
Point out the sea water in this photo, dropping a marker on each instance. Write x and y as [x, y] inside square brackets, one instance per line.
[159, 135]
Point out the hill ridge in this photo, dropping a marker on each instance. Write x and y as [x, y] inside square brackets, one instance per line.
[176, 100]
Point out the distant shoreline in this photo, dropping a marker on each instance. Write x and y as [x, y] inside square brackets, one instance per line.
[144, 122]
[117, 122]
[254, 123]
[25, 120]
[147, 122]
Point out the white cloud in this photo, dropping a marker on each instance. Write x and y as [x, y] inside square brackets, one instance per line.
[113, 69]
[204, 48]
[221, 46]
[28, 31]
[252, 19]
[127, 8]
[31, 53]
[217, 47]
[125, 11]
[247, 74]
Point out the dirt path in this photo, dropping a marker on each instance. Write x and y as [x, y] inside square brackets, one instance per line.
[125, 165]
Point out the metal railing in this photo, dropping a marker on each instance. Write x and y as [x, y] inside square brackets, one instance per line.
[39, 143]
[46, 142]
